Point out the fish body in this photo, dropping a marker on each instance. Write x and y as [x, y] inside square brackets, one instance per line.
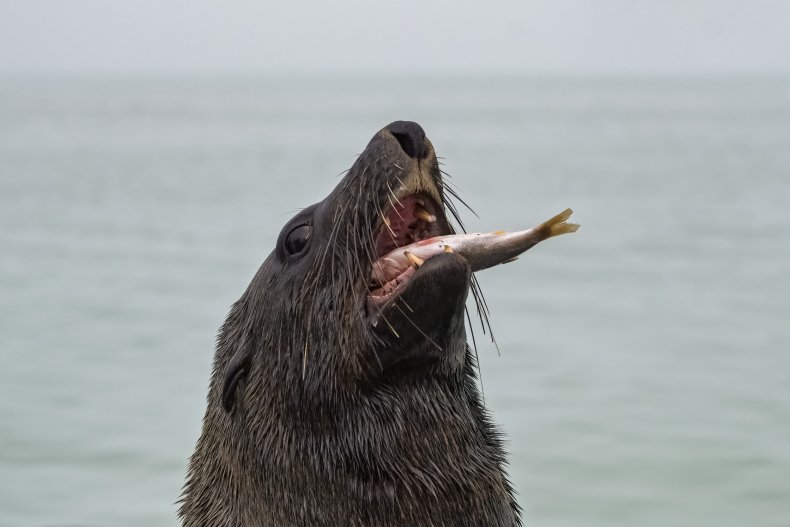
[481, 250]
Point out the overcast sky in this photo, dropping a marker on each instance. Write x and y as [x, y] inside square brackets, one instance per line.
[518, 36]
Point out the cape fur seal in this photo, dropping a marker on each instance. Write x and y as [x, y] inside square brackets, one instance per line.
[343, 390]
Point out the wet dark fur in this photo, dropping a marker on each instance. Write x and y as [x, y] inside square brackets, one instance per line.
[318, 414]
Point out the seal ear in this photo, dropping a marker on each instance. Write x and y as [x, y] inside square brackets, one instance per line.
[237, 369]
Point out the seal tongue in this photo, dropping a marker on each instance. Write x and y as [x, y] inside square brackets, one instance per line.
[481, 250]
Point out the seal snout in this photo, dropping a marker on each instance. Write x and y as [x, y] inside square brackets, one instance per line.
[411, 138]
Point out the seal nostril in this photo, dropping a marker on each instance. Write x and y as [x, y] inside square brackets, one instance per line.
[407, 144]
[411, 138]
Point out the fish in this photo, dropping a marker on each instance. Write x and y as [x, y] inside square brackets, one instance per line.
[481, 250]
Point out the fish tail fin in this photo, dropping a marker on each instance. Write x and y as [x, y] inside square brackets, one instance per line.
[556, 226]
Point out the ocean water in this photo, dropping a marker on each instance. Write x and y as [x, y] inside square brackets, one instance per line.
[643, 372]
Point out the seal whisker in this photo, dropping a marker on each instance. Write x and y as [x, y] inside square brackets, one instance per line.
[395, 208]
[403, 301]
[386, 321]
[341, 189]
[393, 194]
[455, 195]
[402, 184]
[449, 205]
[386, 222]
[483, 312]
[474, 347]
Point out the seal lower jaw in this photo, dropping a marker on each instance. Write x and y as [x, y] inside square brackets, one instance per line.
[421, 327]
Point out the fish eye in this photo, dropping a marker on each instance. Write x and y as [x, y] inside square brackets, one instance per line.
[296, 240]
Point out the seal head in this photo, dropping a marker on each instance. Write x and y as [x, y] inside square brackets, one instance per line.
[340, 396]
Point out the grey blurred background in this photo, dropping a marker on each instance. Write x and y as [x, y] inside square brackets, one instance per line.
[151, 151]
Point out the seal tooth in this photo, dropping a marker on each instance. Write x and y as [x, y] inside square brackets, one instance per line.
[448, 249]
[415, 260]
[424, 215]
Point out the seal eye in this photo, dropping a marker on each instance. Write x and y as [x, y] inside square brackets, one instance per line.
[296, 240]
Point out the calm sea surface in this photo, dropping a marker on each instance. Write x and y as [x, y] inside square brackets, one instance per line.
[644, 374]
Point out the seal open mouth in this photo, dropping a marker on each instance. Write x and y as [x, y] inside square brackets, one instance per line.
[415, 229]
[409, 220]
